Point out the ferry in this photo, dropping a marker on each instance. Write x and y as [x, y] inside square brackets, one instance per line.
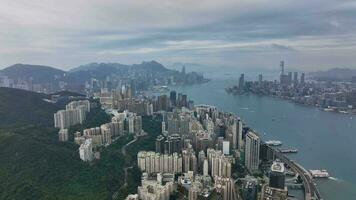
[274, 142]
[288, 150]
[319, 173]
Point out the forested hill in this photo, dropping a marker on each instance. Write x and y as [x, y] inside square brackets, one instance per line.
[19, 107]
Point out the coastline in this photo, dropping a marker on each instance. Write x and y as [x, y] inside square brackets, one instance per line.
[329, 109]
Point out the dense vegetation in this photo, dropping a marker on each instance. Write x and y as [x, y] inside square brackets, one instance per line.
[34, 165]
[19, 107]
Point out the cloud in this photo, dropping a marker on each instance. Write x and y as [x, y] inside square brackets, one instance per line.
[67, 33]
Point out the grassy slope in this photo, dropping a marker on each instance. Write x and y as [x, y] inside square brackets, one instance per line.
[34, 165]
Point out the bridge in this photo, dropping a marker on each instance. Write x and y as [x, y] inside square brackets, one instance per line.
[310, 190]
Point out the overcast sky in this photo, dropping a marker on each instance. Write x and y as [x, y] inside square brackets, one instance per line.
[307, 34]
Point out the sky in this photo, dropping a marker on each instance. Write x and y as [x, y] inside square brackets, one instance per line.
[241, 34]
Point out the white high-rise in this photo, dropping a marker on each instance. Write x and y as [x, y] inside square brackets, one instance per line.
[252, 151]
[86, 150]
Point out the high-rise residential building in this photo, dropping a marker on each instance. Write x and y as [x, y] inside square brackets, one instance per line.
[206, 167]
[219, 164]
[225, 187]
[173, 144]
[86, 150]
[75, 113]
[151, 162]
[239, 134]
[189, 160]
[201, 158]
[154, 189]
[66, 118]
[75, 104]
[226, 147]
[160, 144]
[63, 135]
[277, 175]
[252, 151]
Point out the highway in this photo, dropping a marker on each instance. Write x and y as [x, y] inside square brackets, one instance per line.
[310, 189]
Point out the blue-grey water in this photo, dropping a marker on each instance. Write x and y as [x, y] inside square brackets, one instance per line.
[325, 140]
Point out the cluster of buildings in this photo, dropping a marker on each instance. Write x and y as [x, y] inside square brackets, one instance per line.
[121, 124]
[203, 146]
[331, 96]
[90, 139]
[123, 99]
[75, 113]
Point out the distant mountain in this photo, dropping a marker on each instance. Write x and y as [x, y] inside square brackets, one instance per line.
[99, 66]
[36, 73]
[102, 70]
[151, 66]
[334, 74]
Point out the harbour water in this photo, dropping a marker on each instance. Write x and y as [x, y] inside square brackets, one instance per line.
[324, 140]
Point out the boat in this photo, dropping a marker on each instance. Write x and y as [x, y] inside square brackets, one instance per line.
[274, 142]
[291, 150]
[319, 173]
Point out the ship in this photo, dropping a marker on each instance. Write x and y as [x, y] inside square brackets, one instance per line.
[274, 142]
[319, 173]
[291, 150]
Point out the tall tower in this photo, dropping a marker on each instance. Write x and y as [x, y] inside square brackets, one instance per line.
[282, 67]
[242, 81]
[302, 79]
[252, 151]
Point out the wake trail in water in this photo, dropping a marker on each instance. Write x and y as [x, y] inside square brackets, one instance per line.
[335, 179]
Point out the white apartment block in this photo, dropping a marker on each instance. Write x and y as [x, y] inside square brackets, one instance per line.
[63, 135]
[252, 151]
[86, 150]
[152, 162]
[75, 113]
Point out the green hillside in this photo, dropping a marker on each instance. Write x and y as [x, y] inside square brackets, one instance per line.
[34, 165]
[25, 107]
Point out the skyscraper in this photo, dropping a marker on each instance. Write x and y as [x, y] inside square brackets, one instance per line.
[260, 79]
[302, 79]
[295, 79]
[239, 134]
[173, 98]
[160, 144]
[289, 78]
[277, 175]
[252, 151]
[242, 81]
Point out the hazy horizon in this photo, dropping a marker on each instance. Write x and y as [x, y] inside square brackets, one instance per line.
[254, 34]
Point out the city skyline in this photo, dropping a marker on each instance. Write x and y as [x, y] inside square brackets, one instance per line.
[240, 35]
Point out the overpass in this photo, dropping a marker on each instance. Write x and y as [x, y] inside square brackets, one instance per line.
[310, 190]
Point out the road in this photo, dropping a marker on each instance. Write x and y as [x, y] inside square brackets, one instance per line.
[123, 151]
[311, 191]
